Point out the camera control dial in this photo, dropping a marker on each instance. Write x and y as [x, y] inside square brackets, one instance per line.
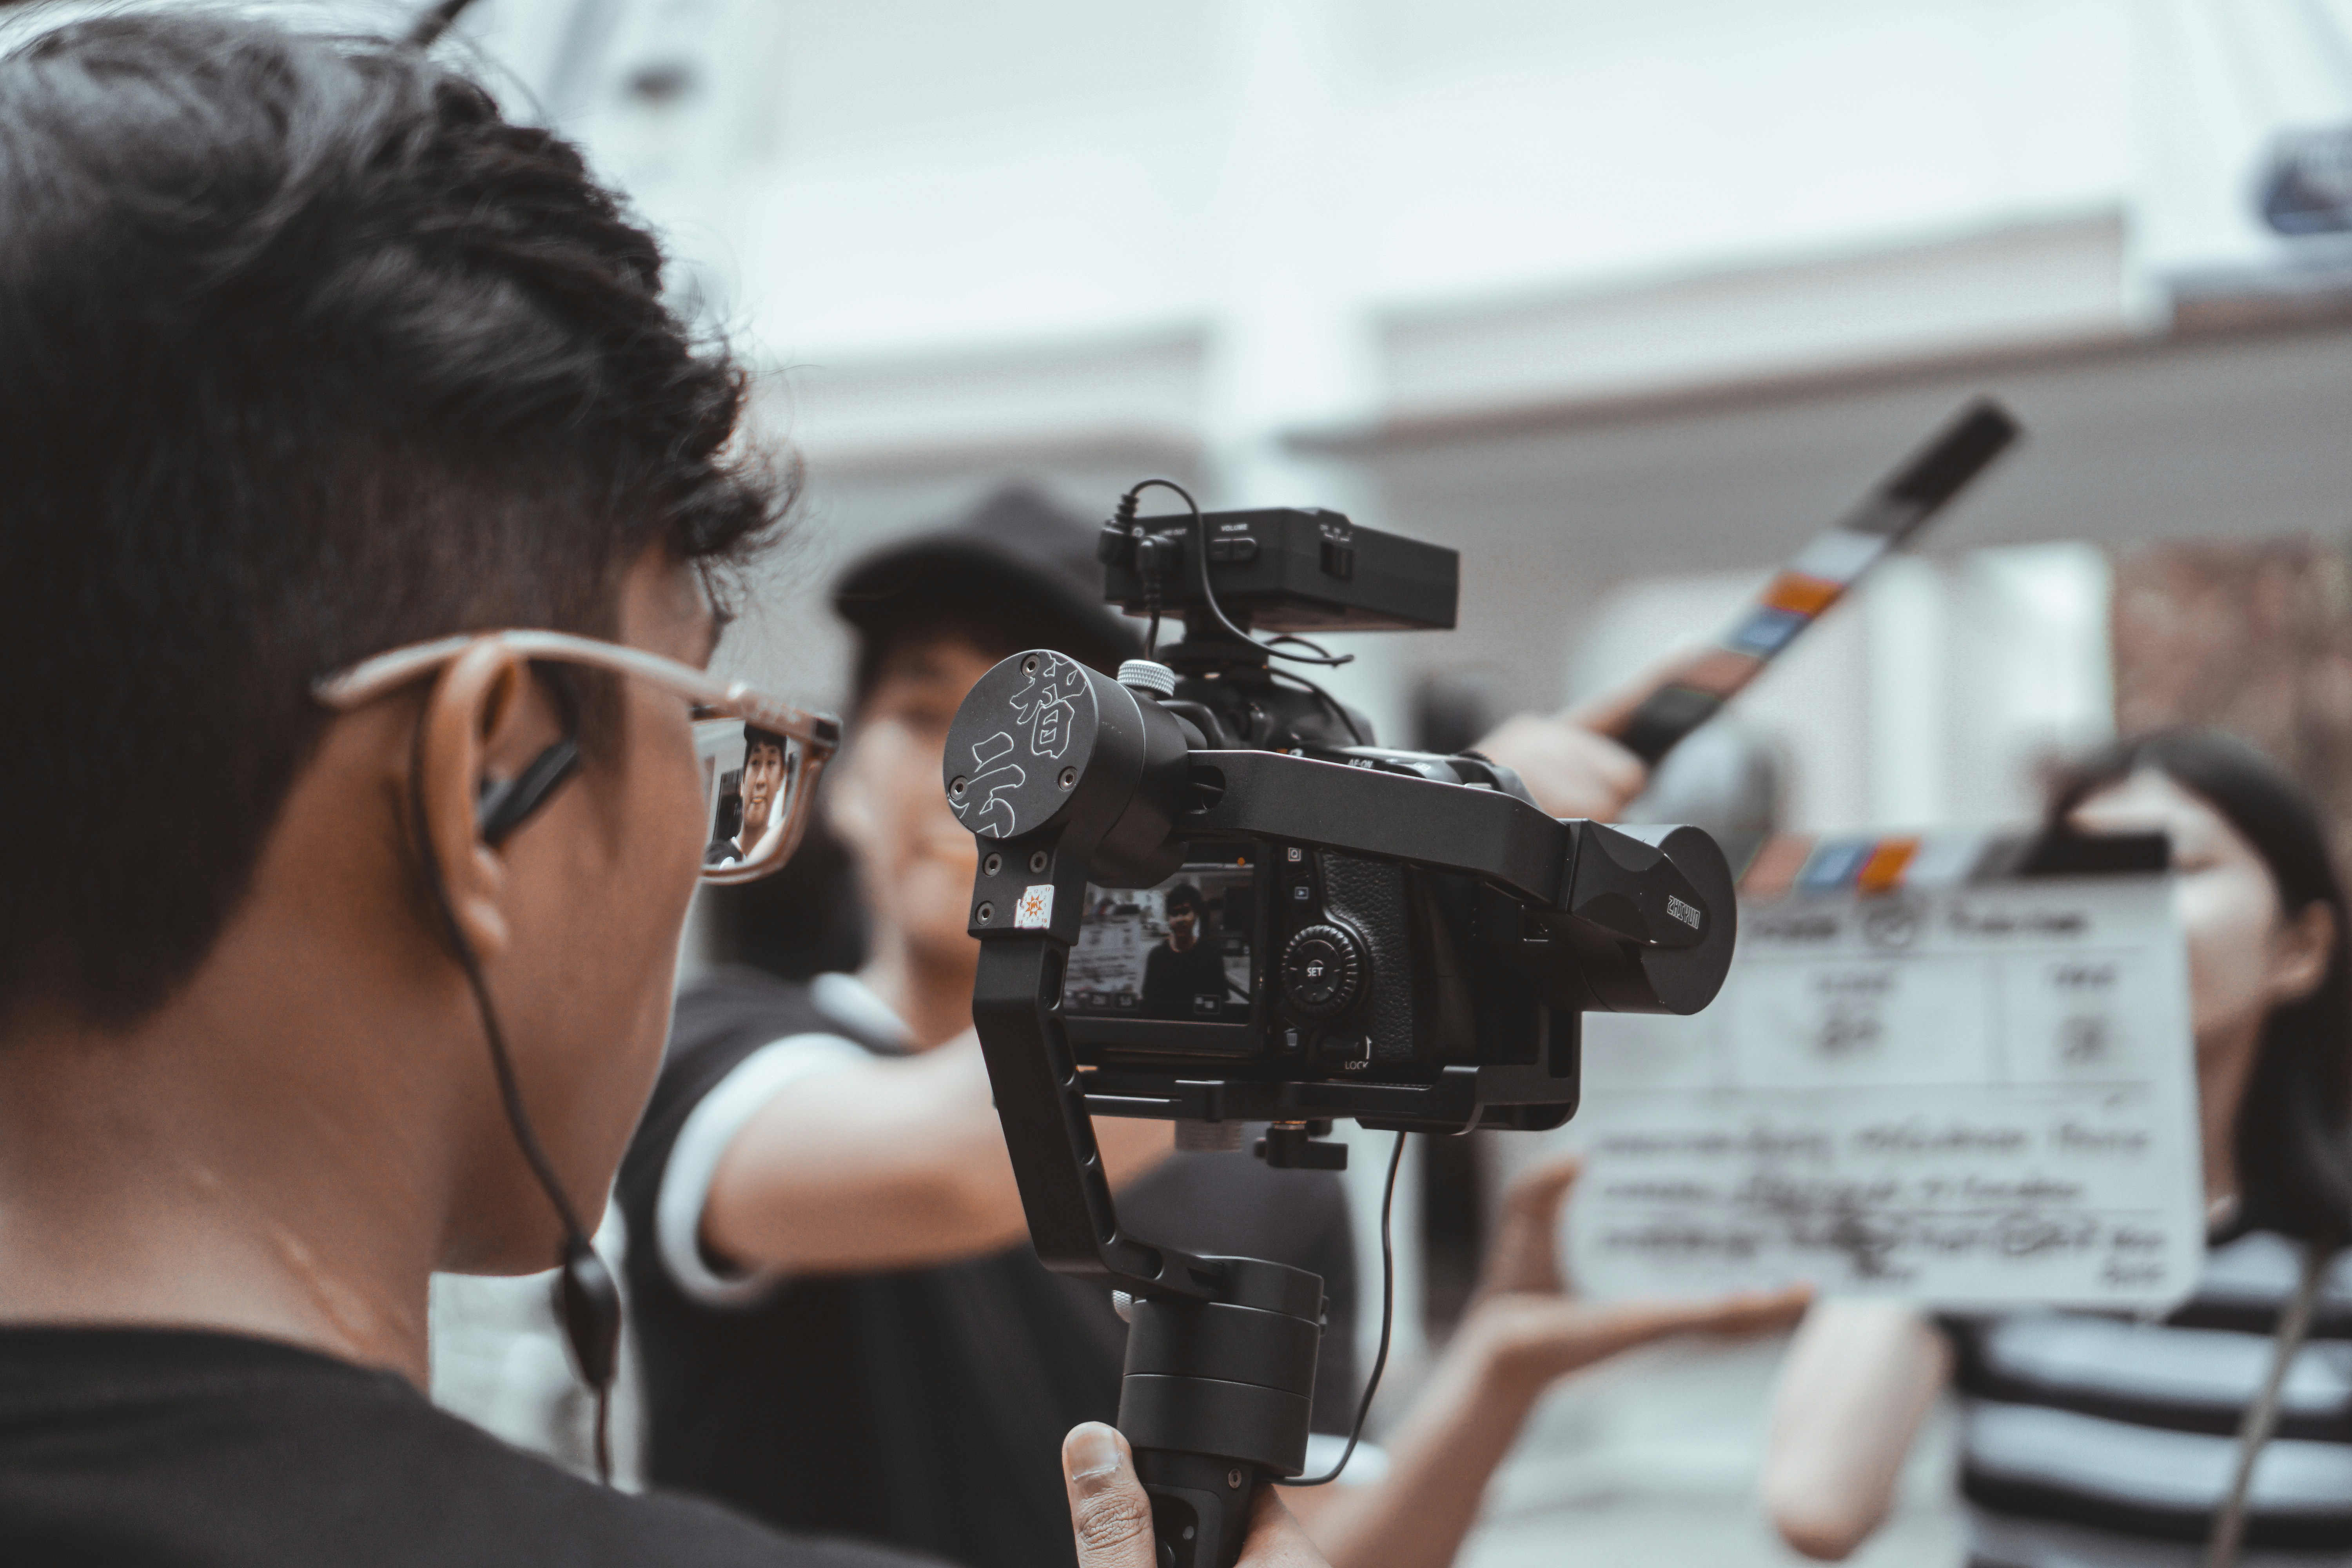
[1322, 971]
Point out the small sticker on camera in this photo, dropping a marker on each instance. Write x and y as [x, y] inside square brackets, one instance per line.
[1682, 911]
[1036, 910]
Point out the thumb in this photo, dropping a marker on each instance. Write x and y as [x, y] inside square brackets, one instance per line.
[1525, 1253]
[1108, 1510]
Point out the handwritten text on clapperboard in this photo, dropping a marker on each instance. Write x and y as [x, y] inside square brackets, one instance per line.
[1980, 1095]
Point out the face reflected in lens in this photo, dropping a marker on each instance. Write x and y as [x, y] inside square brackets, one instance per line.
[763, 783]
[757, 783]
[751, 803]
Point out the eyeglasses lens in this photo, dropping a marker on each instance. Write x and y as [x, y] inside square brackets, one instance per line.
[752, 789]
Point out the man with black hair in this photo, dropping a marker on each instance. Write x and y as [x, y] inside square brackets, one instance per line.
[1183, 975]
[757, 790]
[353, 458]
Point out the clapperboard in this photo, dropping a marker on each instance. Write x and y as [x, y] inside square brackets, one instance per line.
[1955, 1068]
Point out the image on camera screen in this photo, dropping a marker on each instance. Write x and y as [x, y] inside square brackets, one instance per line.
[1179, 951]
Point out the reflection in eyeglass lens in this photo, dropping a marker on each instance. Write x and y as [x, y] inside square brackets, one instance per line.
[750, 799]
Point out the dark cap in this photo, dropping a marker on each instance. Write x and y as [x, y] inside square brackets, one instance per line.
[1014, 562]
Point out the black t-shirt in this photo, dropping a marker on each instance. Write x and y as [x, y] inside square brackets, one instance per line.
[139, 1447]
[923, 1407]
[1174, 982]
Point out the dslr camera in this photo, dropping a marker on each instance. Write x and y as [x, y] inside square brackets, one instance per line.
[1205, 893]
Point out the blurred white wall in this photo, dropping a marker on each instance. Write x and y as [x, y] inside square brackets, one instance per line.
[1090, 242]
[2224, 80]
[1310, 189]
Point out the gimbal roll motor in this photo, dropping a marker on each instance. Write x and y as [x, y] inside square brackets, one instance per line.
[1208, 897]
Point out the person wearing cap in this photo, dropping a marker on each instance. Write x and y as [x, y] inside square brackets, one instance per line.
[841, 1323]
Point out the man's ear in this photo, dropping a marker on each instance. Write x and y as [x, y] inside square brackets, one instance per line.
[478, 701]
[2301, 952]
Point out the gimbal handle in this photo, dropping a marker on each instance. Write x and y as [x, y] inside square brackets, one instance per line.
[1220, 1374]
[1056, 769]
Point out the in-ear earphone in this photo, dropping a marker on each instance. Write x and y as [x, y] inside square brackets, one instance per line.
[587, 1300]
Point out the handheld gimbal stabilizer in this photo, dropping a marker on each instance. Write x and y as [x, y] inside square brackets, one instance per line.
[1398, 938]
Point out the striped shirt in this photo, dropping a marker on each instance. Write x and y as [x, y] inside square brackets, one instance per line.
[2091, 1441]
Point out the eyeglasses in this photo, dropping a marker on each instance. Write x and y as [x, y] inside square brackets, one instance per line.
[759, 758]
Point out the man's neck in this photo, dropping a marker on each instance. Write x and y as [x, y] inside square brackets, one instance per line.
[166, 1177]
[930, 992]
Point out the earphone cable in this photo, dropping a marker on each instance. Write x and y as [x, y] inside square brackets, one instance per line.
[575, 1239]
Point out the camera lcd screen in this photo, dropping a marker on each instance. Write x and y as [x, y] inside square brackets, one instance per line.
[1178, 953]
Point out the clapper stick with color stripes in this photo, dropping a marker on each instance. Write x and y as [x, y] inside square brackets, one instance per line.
[1821, 575]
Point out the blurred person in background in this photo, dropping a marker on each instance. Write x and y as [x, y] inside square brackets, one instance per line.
[2091, 1439]
[832, 1327]
[842, 1323]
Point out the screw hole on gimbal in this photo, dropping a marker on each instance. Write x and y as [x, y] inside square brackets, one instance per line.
[1029, 665]
[1069, 777]
[955, 785]
[993, 865]
[1037, 862]
[985, 913]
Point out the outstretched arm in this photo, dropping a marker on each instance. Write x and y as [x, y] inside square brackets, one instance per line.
[1524, 1332]
[885, 1164]
[1569, 761]
[1858, 1381]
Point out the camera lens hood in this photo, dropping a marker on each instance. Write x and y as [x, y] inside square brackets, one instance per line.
[1682, 976]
